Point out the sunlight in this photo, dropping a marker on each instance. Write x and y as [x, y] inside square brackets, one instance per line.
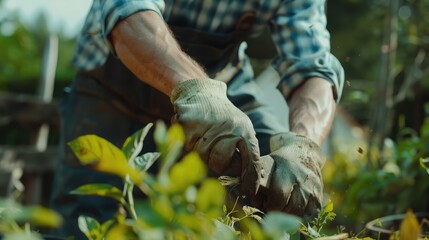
[60, 13]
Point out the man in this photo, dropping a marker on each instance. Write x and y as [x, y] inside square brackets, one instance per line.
[139, 61]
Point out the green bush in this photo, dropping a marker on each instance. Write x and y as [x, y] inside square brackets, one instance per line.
[398, 183]
[182, 202]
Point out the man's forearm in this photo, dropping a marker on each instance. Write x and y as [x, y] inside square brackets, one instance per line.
[146, 46]
[312, 109]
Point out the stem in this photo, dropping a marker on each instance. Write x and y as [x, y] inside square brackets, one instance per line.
[361, 232]
[27, 229]
[145, 189]
[128, 193]
[131, 202]
[228, 218]
[147, 185]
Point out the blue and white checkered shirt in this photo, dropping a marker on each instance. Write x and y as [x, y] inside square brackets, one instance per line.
[298, 30]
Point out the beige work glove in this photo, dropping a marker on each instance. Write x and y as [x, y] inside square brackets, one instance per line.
[215, 128]
[295, 183]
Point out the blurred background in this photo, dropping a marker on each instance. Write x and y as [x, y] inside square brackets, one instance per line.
[379, 142]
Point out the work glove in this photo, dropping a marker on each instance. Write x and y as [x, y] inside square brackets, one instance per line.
[216, 129]
[294, 183]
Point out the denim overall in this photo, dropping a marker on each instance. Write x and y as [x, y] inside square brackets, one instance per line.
[112, 103]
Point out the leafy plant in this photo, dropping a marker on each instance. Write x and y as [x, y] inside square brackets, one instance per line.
[397, 184]
[314, 229]
[182, 202]
[16, 220]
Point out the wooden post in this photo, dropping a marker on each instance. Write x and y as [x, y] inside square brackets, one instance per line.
[46, 86]
[45, 93]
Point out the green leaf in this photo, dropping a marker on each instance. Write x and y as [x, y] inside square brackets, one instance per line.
[9, 209]
[312, 232]
[134, 144]
[121, 232]
[106, 226]
[190, 221]
[153, 233]
[423, 162]
[175, 134]
[160, 135]
[277, 224]
[223, 232]
[163, 207]
[172, 149]
[148, 215]
[254, 230]
[190, 170]
[330, 216]
[145, 161]
[103, 156]
[90, 227]
[329, 207]
[39, 216]
[100, 189]
[211, 198]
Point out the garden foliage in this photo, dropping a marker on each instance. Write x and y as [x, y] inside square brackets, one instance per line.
[182, 202]
[398, 181]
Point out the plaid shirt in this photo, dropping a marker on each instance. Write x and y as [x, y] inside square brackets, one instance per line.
[298, 30]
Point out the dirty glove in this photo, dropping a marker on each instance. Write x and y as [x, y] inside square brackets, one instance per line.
[295, 183]
[215, 128]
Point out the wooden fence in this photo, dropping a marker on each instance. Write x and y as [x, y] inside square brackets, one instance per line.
[28, 169]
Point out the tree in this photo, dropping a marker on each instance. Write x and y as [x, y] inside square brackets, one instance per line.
[358, 28]
[20, 61]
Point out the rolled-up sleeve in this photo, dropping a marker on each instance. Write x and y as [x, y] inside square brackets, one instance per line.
[303, 43]
[113, 11]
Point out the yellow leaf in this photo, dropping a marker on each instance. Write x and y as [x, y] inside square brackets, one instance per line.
[329, 207]
[40, 216]
[193, 222]
[211, 197]
[100, 189]
[175, 134]
[163, 207]
[103, 156]
[121, 232]
[409, 228]
[190, 170]
[180, 235]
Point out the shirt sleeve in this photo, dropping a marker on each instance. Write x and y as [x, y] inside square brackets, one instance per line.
[113, 11]
[303, 43]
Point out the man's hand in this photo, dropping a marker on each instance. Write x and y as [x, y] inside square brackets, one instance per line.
[295, 185]
[215, 128]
